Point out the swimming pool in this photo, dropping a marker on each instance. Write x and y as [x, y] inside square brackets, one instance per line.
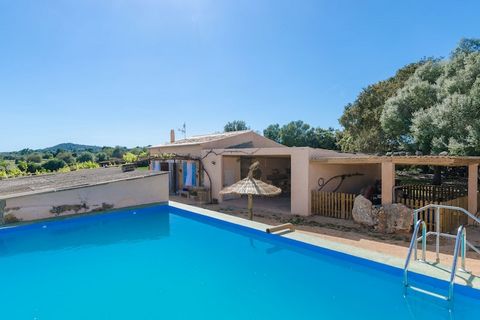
[162, 262]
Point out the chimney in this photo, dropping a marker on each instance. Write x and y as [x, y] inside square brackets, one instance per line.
[172, 136]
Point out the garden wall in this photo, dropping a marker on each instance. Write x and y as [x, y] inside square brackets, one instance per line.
[82, 199]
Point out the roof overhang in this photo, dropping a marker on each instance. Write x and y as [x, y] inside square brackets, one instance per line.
[401, 160]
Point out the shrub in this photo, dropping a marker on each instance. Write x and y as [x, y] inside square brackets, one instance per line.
[22, 165]
[87, 165]
[64, 169]
[85, 157]
[13, 171]
[129, 157]
[118, 152]
[102, 156]
[34, 157]
[54, 164]
[66, 157]
[33, 167]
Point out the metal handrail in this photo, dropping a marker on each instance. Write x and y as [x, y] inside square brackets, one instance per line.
[413, 244]
[437, 231]
[442, 206]
[459, 246]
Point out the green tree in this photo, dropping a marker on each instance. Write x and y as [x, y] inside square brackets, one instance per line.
[101, 156]
[22, 166]
[138, 150]
[129, 157]
[47, 155]
[272, 132]
[466, 46]
[118, 152]
[361, 119]
[439, 107]
[236, 125]
[3, 165]
[53, 164]
[34, 157]
[66, 157]
[301, 134]
[33, 167]
[295, 134]
[396, 119]
[108, 151]
[323, 138]
[85, 157]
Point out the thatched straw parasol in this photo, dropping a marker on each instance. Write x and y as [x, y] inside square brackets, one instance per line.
[251, 187]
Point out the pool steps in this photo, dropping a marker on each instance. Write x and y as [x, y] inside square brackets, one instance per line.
[438, 228]
[460, 247]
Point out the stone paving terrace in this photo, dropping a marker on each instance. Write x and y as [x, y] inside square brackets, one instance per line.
[60, 181]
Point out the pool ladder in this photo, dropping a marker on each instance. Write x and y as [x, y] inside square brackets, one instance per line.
[460, 247]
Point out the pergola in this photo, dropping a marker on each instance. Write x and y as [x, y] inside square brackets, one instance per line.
[388, 170]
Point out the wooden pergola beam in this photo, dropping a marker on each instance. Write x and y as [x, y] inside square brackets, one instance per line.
[447, 161]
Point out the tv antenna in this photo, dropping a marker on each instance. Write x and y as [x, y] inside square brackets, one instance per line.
[183, 130]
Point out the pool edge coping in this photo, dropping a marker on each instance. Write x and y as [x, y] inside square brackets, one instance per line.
[463, 279]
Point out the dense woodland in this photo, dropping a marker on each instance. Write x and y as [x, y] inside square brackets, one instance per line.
[430, 106]
[64, 158]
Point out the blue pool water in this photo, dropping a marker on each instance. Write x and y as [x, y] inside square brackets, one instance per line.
[164, 263]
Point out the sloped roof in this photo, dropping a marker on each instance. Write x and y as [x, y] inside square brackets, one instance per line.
[196, 140]
[14, 187]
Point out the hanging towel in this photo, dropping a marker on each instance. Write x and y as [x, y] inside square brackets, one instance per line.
[194, 174]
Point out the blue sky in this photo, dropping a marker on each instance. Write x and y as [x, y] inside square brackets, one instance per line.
[125, 72]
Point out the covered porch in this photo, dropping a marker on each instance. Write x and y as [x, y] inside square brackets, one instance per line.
[389, 191]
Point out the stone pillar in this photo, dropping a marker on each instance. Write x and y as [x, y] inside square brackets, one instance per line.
[388, 182]
[472, 187]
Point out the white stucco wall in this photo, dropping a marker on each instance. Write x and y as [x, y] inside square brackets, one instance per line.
[111, 195]
[304, 171]
[371, 172]
[218, 160]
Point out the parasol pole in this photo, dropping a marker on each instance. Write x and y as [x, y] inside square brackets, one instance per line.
[250, 206]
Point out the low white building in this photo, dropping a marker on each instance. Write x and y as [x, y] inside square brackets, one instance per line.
[218, 160]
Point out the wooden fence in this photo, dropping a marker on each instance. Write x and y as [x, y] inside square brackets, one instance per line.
[429, 193]
[450, 220]
[417, 196]
[333, 204]
[340, 205]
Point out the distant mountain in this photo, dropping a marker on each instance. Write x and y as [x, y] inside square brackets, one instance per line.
[72, 147]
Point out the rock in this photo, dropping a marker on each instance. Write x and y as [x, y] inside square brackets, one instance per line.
[418, 153]
[362, 212]
[394, 218]
[443, 153]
